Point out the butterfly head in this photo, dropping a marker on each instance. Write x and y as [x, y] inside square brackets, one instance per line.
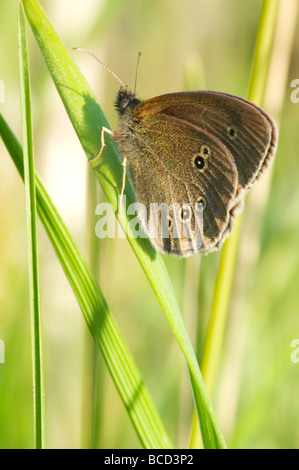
[125, 101]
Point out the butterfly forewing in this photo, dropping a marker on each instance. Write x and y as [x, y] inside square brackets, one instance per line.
[249, 134]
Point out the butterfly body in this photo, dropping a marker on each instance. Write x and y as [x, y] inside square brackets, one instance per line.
[197, 152]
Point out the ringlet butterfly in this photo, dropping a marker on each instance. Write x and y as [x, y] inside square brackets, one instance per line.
[192, 156]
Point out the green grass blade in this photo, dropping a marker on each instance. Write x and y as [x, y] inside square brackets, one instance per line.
[94, 375]
[87, 119]
[29, 179]
[228, 256]
[262, 51]
[99, 319]
[223, 285]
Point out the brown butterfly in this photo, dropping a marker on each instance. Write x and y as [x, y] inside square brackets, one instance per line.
[192, 156]
[198, 149]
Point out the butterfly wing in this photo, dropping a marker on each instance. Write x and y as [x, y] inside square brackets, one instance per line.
[247, 131]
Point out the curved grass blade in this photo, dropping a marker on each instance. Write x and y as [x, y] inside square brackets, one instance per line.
[99, 319]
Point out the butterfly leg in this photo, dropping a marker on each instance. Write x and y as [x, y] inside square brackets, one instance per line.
[103, 130]
[124, 164]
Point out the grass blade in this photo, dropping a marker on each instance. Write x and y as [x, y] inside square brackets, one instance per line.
[29, 178]
[99, 319]
[228, 256]
[223, 285]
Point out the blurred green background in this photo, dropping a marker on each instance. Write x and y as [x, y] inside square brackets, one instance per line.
[191, 44]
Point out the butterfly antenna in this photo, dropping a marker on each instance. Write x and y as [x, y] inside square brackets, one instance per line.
[137, 70]
[102, 63]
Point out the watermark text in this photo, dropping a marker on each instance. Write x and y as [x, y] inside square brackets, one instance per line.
[2, 92]
[2, 352]
[295, 353]
[295, 92]
[158, 221]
